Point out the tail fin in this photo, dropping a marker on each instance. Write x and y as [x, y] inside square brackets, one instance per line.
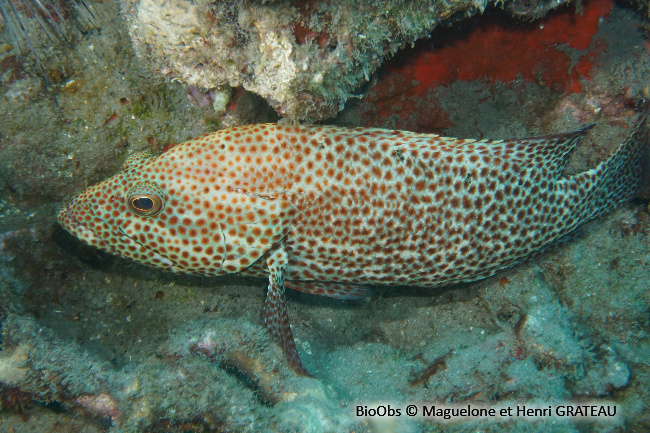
[620, 177]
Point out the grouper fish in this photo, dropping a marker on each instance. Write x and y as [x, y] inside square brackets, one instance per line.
[327, 210]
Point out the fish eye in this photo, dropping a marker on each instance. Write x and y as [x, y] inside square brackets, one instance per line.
[144, 204]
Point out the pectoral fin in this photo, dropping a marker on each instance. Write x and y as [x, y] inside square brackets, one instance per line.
[276, 319]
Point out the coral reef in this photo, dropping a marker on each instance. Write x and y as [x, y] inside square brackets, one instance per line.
[557, 53]
[170, 387]
[305, 58]
[93, 343]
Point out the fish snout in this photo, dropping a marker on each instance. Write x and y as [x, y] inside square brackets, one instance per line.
[72, 216]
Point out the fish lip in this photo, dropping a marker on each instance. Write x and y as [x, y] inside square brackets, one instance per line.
[76, 227]
[69, 221]
[73, 219]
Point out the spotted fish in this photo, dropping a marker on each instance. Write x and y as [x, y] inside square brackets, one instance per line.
[327, 210]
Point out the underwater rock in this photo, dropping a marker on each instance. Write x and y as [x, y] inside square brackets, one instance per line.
[304, 58]
[547, 335]
[176, 386]
[12, 366]
[606, 375]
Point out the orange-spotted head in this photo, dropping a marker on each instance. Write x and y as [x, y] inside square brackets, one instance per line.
[172, 212]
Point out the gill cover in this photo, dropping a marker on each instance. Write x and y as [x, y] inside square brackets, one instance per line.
[253, 224]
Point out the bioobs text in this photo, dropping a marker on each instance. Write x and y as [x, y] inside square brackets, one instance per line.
[381, 410]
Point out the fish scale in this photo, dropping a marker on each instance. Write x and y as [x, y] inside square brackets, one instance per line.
[327, 210]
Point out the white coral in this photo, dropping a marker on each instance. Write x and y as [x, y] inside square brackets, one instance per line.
[13, 366]
[174, 21]
[276, 67]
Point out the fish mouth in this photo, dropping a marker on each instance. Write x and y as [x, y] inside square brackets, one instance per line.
[69, 221]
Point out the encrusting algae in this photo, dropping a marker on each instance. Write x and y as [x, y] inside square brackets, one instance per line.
[330, 209]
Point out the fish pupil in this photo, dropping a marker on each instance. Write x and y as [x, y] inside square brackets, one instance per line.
[143, 204]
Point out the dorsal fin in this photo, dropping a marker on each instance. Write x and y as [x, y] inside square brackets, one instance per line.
[550, 151]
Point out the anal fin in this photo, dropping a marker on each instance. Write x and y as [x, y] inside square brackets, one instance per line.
[332, 290]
